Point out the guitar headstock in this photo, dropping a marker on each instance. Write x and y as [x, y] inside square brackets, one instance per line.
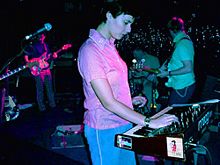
[66, 46]
[138, 65]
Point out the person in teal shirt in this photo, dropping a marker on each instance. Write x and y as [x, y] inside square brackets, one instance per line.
[180, 68]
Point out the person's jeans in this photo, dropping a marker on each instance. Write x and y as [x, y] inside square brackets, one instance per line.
[44, 80]
[181, 96]
[103, 150]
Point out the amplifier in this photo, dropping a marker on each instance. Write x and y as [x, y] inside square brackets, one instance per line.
[67, 136]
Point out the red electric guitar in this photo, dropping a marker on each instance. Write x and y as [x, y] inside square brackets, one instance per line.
[43, 60]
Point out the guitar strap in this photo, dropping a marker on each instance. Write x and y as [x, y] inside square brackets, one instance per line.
[45, 51]
[46, 56]
[45, 47]
[174, 47]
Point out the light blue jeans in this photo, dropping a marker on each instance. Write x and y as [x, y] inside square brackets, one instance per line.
[103, 150]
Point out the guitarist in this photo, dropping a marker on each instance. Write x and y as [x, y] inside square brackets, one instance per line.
[180, 68]
[39, 51]
[148, 80]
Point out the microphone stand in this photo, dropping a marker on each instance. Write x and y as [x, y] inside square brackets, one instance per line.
[9, 114]
[11, 60]
[4, 90]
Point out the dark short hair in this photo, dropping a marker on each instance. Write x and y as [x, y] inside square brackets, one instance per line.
[176, 24]
[116, 8]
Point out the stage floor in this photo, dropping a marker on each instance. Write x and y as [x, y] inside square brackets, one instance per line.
[27, 139]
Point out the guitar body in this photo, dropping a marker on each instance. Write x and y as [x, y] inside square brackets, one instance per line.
[42, 65]
[42, 61]
[35, 70]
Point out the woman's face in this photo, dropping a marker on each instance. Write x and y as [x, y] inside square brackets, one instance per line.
[120, 26]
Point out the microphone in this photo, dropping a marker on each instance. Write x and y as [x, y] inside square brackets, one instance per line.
[47, 27]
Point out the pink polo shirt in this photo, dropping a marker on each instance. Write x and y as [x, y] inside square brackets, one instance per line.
[99, 59]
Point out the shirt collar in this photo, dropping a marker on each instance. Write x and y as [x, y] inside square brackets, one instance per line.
[99, 39]
[179, 36]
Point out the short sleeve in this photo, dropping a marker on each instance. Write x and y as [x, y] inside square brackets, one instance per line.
[90, 63]
[186, 50]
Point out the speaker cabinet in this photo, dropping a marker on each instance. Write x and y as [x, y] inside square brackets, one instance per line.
[66, 80]
[211, 88]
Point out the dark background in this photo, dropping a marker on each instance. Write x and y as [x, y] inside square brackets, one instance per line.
[72, 19]
[27, 139]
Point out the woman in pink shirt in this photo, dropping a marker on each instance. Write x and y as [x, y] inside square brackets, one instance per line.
[108, 101]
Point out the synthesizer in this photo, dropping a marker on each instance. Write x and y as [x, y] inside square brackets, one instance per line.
[173, 141]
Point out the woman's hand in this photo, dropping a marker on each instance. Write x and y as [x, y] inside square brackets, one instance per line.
[163, 74]
[163, 121]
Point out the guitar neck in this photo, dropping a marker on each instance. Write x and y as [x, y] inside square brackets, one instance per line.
[58, 51]
[50, 57]
[12, 72]
[151, 70]
[65, 47]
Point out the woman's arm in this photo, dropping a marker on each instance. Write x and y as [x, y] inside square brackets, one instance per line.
[104, 93]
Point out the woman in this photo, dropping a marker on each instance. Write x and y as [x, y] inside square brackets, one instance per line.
[108, 102]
